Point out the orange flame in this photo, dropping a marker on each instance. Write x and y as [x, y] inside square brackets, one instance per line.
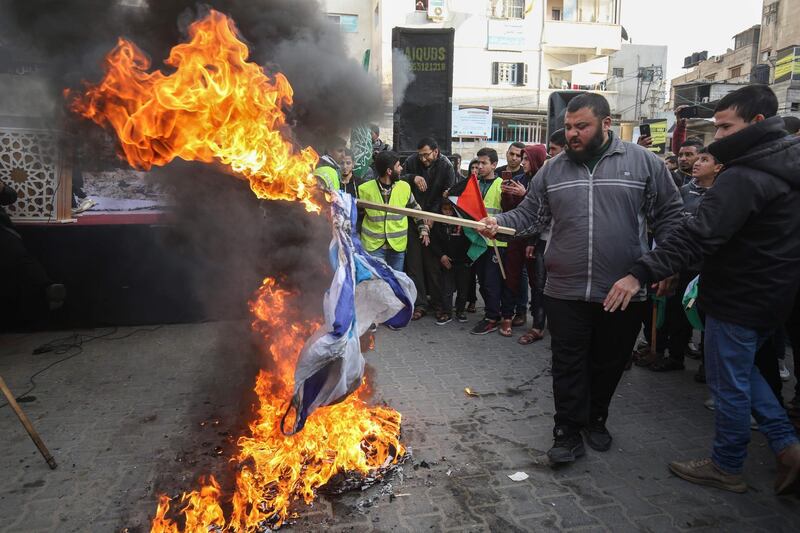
[215, 106]
[275, 470]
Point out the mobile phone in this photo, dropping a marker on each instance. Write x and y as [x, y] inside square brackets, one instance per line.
[644, 130]
[506, 175]
[688, 112]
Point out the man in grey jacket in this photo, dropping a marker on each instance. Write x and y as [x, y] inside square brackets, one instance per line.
[601, 194]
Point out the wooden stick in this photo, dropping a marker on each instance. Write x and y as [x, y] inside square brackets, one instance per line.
[37, 440]
[499, 259]
[436, 217]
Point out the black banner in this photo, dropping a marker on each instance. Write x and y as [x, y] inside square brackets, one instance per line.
[426, 109]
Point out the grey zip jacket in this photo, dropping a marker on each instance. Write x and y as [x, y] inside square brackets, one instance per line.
[599, 219]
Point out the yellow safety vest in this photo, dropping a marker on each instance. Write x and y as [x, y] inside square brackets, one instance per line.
[492, 202]
[329, 177]
[380, 227]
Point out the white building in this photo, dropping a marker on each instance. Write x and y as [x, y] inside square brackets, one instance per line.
[509, 54]
[637, 77]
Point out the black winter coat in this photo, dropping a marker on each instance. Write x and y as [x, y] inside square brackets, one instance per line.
[440, 176]
[746, 231]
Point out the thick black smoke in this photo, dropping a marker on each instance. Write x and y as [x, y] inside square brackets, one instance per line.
[332, 91]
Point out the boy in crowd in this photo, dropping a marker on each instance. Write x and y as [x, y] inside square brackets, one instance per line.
[450, 245]
[677, 330]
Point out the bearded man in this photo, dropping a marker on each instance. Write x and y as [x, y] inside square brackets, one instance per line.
[600, 194]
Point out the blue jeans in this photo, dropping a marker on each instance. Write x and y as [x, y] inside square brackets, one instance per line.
[390, 257]
[739, 389]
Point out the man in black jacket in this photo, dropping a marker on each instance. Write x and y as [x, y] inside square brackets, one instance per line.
[747, 232]
[430, 174]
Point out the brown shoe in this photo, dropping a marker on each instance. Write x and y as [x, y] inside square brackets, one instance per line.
[505, 327]
[519, 320]
[705, 472]
[787, 479]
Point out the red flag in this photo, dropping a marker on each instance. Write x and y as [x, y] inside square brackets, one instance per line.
[468, 199]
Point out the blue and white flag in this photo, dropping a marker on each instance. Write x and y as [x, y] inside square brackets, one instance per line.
[364, 290]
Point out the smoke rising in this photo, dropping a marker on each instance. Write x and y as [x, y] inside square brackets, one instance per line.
[402, 76]
[332, 91]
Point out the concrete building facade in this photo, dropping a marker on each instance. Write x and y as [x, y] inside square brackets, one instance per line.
[780, 49]
[509, 54]
[636, 78]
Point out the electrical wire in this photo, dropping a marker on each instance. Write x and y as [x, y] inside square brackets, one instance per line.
[64, 345]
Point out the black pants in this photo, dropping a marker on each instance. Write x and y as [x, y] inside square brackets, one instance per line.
[677, 331]
[472, 297]
[590, 350]
[422, 266]
[793, 331]
[455, 281]
[22, 281]
[537, 278]
[766, 361]
[497, 297]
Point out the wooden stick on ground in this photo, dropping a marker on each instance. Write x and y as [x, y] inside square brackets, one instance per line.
[37, 440]
[436, 217]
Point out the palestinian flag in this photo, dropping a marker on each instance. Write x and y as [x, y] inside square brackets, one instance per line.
[467, 199]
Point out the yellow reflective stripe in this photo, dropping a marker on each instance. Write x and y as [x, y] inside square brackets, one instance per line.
[392, 235]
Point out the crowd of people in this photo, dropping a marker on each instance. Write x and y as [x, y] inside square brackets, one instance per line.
[606, 231]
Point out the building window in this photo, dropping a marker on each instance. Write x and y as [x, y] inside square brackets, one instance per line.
[346, 23]
[555, 14]
[618, 72]
[735, 72]
[509, 74]
[794, 107]
[422, 5]
[508, 9]
[711, 77]
[770, 13]
[599, 11]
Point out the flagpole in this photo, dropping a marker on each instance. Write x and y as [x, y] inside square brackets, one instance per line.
[436, 217]
[499, 259]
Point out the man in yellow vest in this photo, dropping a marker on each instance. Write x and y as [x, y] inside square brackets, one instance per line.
[498, 299]
[385, 235]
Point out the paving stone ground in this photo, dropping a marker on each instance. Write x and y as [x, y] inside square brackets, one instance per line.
[125, 421]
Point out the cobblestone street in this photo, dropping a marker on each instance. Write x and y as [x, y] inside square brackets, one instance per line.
[127, 419]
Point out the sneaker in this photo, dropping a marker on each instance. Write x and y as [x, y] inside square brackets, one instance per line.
[597, 436]
[692, 351]
[444, 318]
[700, 375]
[794, 403]
[710, 404]
[783, 371]
[373, 327]
[705, 472]
[484, 327]
[787, 477]
[753, 423]
[566, 447]
[520, 319]
[461, 316]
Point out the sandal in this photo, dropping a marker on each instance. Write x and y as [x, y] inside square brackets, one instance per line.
[648, 358]
[505, 327]
[666, 364]
[471, 308]
[531, 336]
[419, 312]
[519, 320]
